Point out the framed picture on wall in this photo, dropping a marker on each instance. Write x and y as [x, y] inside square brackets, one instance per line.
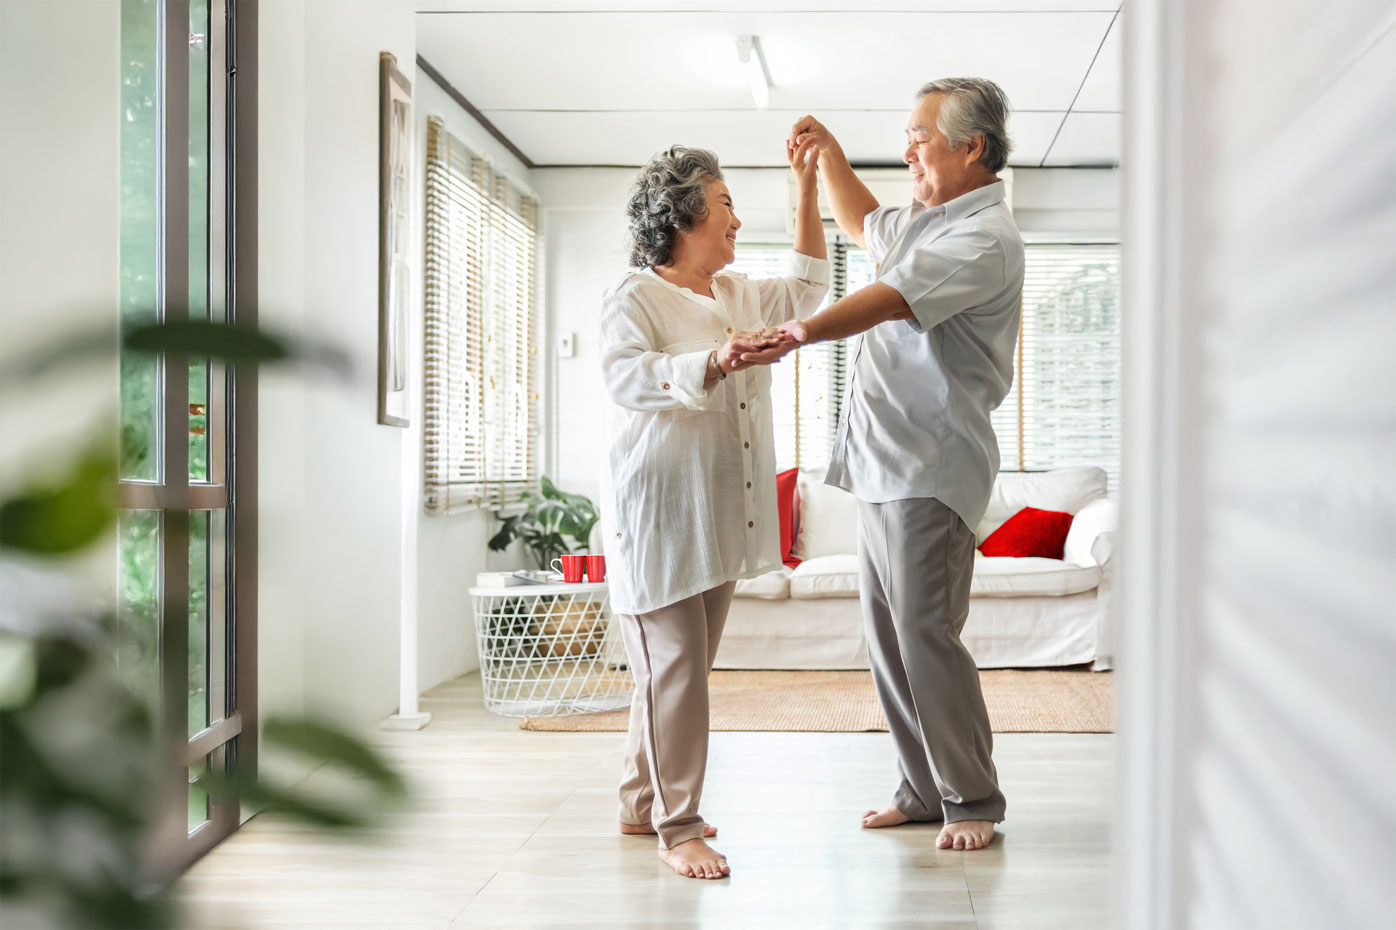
[394, 206]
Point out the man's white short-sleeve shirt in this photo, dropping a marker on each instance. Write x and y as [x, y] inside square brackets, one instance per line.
[916, 418]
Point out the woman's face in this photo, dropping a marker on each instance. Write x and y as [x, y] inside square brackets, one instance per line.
[713, 239]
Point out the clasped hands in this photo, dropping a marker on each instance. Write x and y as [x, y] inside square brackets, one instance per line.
[766, 346]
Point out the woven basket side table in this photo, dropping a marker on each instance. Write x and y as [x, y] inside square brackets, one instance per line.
[549, 650]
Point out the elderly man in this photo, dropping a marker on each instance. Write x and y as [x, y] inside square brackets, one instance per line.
[916, 446]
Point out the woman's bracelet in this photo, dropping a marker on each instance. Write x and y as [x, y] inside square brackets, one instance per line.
[712, 360]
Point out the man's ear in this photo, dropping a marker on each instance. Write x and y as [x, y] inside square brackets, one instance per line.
[974, 148]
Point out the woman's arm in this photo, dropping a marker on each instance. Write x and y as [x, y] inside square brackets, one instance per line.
[799, 295]
[809, 230]
[640, 377]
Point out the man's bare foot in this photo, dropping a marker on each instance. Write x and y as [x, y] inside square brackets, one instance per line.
[696, 859]
[966, 834]
[647, 829]
[889, 816]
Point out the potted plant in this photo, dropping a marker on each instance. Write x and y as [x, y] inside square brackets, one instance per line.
[550, 519]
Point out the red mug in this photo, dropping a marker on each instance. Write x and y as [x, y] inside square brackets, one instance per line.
[596, 568]
[571, 567]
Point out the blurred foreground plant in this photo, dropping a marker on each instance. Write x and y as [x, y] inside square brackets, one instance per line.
[79, 750]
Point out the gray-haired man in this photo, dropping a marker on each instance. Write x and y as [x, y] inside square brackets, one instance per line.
[916, 447]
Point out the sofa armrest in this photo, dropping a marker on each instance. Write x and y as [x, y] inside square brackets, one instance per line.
[1103, 548]
[1099, 516]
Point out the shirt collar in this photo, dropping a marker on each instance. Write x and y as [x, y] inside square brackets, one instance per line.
[976, 200]
[701, 298]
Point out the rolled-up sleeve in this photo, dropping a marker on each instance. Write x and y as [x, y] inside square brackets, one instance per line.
[797, 295]
[640, 377]
[953, 274]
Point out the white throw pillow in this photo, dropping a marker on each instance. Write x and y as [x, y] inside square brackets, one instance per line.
[828, 520]
[1065, 490]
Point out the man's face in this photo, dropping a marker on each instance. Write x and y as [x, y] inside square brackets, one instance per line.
[938, 173]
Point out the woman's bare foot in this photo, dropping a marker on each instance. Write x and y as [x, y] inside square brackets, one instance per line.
[889, 816]
[695, 859]
[966, 834]
[647, 829]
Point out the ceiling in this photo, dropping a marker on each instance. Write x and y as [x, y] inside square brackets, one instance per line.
[591, 82]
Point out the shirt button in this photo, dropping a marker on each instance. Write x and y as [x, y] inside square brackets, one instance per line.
[617, 536]
[749, 524]
[748, 484]
[746, 445]
[665, 385]
[743, 406]
[729, 329]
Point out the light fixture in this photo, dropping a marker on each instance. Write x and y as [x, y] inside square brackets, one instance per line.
[754, 63]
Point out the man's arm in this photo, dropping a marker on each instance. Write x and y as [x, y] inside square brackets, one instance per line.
[850, 199]
[856, 313]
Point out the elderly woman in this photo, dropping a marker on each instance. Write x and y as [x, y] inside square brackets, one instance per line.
[689, 504]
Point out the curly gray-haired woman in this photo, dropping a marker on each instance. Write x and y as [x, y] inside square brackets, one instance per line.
[689, 505]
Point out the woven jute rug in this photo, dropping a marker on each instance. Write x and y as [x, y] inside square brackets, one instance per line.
[1030, 701]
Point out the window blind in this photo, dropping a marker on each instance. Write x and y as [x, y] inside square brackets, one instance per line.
[1064, 407]
[807, 387]
[480, 355]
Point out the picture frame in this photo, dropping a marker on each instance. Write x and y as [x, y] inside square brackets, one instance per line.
[394, 237]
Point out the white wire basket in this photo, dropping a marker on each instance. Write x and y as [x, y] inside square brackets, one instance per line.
[549, 650]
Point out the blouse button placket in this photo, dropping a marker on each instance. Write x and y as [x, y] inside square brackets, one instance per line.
[748, 496]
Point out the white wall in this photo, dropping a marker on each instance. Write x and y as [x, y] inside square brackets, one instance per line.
[60, 228]
[330, 477]
[586, 252]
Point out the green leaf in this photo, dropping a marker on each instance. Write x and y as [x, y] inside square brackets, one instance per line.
[236, 344]
[328, 744]
[501, 540]
[65, 517]
[259, 794]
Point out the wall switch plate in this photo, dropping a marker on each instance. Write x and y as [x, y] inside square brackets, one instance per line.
[567, 345]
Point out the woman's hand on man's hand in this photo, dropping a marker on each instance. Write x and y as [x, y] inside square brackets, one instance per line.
[780, 342]
[754, 347]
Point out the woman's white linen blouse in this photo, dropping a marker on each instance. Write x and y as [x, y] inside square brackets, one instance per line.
[688, 497]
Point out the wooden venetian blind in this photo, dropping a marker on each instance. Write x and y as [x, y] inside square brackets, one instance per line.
[1064, 406]
[481, 355]
[807, 388]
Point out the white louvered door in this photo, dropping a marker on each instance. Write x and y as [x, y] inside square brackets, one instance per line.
[1258, 676]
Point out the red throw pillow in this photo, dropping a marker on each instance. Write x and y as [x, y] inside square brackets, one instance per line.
[785, 504]
[1030, 533]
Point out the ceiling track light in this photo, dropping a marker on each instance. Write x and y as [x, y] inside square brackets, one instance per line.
[754, 64]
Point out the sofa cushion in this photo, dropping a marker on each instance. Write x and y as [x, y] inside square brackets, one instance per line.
[828, 520]
[825, 576]
[1066, 489]
[1009, 577]
[772, 586]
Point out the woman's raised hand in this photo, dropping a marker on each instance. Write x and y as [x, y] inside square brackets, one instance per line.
[804, 162]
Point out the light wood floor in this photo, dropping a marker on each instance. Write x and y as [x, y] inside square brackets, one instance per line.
[513, 829]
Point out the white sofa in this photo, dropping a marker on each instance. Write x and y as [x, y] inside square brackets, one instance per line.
[1024, 613]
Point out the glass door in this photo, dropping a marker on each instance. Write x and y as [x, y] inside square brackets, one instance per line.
[187, 620]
